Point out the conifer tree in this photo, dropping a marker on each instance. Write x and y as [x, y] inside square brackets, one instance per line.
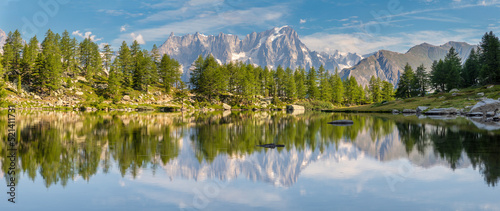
[169, 72]
[291, 89]
[375, 92]
[387, 91]
[421, 81]
[124, 65]
[197, 70]
[453, 67]
[300, 76]
[338, 88]
[312, 85]
[405, 89]
[490, 59]
[52, 65]
[470, 70]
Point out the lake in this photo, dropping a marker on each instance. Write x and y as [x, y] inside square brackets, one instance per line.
[211, 161]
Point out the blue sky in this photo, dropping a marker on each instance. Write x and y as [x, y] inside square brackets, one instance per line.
[360, 26]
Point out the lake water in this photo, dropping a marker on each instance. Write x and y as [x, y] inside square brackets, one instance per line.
[174, 161]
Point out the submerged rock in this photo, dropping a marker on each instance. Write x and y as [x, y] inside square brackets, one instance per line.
[341, 122]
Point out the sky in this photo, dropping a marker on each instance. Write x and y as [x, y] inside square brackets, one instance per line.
[357, 26]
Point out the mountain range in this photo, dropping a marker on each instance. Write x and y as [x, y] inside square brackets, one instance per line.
[277, 46]
[282, 46]
[3, 38]
[389, 66]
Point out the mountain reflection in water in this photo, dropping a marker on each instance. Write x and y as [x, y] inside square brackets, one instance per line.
[60, 146]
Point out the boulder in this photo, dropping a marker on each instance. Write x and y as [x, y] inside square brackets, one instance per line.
[294, 107]
[480, 94]
[420, 109]
[60, 103]
[454, 90]
[226, 106]
[490, 86]
[394, 111]
[441, 111]
[485, 106]
[409, 111]
[126, 98]
[454, 94]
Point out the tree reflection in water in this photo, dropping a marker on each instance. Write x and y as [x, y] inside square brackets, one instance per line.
[59, 146]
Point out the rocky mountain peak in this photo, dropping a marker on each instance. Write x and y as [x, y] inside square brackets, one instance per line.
[273, 47]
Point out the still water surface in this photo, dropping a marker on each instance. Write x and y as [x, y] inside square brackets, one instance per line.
[174, 161]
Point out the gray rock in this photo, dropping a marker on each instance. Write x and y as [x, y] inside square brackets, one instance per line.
[294, 107]
[394, 111]
[420, 109]
[454, 90]
[490, 86]
[126, 98]
[454, 94]
[480, 94]
[226, 106]
[406, 111]
[441, 111]
[487, 105]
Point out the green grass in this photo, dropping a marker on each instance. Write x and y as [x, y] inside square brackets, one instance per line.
[464, 98]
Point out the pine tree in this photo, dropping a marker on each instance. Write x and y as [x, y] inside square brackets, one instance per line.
[68, 49]
[387, 91]
[405, 89]
[291, 88]
[337, 88]
[375, 92]
[169, 72]
[114, 81]
[197, 70]
[438, 76]
[12, 50]
[470, 70]
[52, 62]
[28, 61]
[453, 67]
[125, 65]
[325, 88]
[421, 81]
[300, 76]
[490, 59]
[107, 56]
[279, 79]
[312, 85]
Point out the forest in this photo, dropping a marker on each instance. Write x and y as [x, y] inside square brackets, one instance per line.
[53, 64]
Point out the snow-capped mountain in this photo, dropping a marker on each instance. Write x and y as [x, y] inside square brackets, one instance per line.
[277, 46]
[3, 38]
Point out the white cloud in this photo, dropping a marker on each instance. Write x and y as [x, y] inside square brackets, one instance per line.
[138, 37]
[86, 35]
[303, 21]
[399, 42]
[120, 13]
[123, 28]
[212, 23]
